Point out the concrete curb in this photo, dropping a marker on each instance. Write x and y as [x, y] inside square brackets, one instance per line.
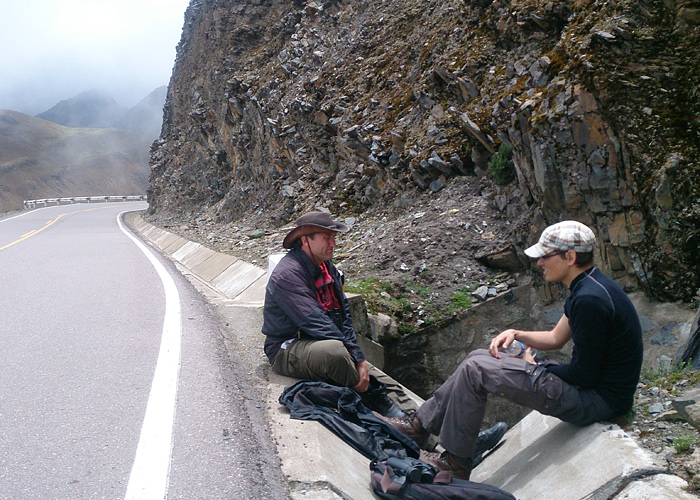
[541, 457]
[242, 283]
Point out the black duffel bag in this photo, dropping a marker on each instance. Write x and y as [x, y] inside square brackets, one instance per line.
[410, 479]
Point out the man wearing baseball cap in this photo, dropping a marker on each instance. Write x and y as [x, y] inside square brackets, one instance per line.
[597, 384]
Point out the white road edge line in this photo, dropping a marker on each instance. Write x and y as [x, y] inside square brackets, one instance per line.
[151, 469]
[23, 214]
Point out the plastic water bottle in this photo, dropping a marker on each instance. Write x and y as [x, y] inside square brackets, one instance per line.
[516, 349]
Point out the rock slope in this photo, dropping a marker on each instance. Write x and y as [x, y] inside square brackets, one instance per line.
[539, 110]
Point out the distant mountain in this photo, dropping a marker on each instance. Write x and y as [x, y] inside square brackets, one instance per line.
[41, 159]
[91, 109]
[96, 109]
[146, 118]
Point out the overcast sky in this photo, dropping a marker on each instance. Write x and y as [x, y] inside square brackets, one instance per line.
[52, 50]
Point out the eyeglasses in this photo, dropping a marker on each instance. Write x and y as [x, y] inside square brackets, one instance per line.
[558, 252]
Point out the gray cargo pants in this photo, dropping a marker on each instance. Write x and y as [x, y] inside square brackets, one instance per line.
[456, 409]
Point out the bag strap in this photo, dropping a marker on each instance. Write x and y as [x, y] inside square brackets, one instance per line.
[389, 483]
[443, 477]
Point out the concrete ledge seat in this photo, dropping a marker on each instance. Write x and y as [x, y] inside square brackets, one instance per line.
[317, 464]
[544, 458]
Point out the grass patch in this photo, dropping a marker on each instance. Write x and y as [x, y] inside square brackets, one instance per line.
[461, 299]
[414, 305]
[684, 444]
[379, 296]
[666, 379]
[365, 287]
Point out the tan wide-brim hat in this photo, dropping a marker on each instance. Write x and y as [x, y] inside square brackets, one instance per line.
[313, 222]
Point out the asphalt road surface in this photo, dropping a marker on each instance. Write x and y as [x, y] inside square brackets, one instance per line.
[114, 379]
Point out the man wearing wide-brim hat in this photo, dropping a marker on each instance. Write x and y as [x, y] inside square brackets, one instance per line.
[597, 384]
[306, 319]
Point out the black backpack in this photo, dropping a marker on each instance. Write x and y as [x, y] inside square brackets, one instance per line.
[410, 479]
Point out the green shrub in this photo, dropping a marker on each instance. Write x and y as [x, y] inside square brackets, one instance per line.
[501, 166]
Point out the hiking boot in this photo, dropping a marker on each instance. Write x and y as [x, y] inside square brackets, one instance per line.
[379, 402]
[461, 468]
[410, 426]
[487, 440]
[375, 399]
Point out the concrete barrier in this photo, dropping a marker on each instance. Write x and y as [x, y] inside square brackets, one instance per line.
[232, 278]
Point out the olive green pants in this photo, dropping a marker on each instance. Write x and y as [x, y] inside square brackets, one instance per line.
[329, 361]
[321, 360]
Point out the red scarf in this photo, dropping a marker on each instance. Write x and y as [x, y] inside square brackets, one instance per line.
[324, 290]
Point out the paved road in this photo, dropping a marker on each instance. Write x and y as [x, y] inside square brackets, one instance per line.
[114, 380]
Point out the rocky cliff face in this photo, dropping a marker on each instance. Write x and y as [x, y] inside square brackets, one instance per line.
[583, 109]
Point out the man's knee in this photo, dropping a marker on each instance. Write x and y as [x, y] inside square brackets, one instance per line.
[334, 362]
[480, 372]
[477, 353]
[478, 361]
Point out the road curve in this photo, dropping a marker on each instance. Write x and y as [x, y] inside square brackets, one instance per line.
[114, 382]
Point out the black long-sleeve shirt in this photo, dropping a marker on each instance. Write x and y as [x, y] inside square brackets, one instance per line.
[607, 336]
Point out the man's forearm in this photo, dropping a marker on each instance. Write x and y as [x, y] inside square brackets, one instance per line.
[540, 340]
[549, 340]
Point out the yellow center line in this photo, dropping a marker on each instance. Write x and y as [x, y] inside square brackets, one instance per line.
[46, 226]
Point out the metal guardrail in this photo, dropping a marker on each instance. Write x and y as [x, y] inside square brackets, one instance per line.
[81, 199]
